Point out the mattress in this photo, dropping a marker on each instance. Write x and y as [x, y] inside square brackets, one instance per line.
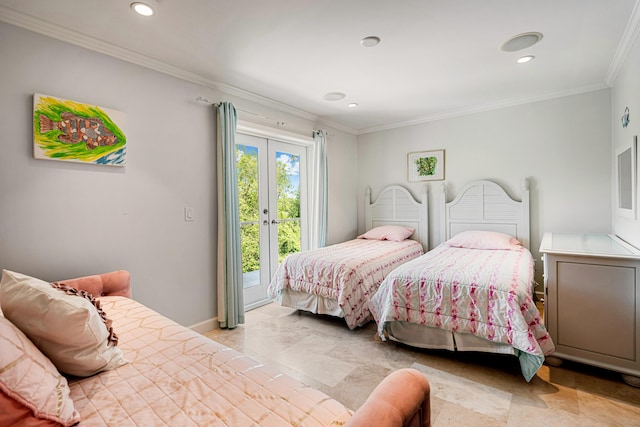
[484, 293]
[348, 273]
[177, 377]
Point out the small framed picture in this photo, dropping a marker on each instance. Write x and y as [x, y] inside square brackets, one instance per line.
[425, 165]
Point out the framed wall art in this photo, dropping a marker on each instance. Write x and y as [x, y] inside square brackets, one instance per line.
[425, 166]
[72, 131]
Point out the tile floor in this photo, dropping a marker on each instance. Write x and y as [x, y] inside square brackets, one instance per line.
[467, 389]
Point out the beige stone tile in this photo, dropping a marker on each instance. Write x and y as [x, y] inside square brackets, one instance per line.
[476, 397]
[467, 388]
[272, 310]
[449, 414]
[354, 389]
[606, 383]
[326, 325]
[557, 375]
[607, 411]
[564, 399]
[561, 399]
[307, 355]
[369, 350]
[443, 360]
[234, 338]
[531, 416]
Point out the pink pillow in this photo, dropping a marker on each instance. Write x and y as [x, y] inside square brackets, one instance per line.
[32, 391]
[388, 232]
[484, 240]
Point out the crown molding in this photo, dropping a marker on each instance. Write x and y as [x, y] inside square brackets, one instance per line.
[629, 37]
[487, 107]
[46, 28]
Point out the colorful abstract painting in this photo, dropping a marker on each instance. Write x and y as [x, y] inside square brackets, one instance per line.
[73, 131]
[425, 165]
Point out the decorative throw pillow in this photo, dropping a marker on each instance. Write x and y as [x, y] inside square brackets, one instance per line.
[32, 391]
[388, 232]
[484, 240]
[68, 329]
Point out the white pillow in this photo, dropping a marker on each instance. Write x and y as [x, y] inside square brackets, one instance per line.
[388, 232]
[484, 240]
[68, 329]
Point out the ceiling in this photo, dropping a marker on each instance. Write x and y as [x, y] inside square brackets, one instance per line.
[436, 58]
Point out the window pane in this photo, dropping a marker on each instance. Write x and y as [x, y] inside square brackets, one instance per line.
[288, 177]
[250, 242]
[247, 163]
[247, 167]
[288, 238]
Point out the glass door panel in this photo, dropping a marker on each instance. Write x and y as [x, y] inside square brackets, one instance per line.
[272, 207]
[289, 196]
[251, 155]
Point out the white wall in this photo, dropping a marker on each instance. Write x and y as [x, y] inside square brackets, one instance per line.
[626, 93]
[562, 145]
[62, 219]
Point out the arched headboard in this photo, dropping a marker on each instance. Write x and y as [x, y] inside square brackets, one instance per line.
[485, 205]
[396, 206]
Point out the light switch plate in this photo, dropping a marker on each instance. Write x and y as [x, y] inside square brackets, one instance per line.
[188, 214]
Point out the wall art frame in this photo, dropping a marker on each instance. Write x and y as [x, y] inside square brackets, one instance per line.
[627, 180]
[67, 130]
[425, 166]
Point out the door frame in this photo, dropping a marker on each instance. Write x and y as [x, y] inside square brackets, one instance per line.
[259, 131]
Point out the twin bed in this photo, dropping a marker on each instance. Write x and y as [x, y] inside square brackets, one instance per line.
[339, 280]
[473, 292]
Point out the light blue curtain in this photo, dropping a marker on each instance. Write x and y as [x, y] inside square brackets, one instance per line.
[319, 192]
[229, 266]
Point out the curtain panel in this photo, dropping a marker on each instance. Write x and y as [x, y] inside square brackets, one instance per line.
[319, 209]
[229, 263]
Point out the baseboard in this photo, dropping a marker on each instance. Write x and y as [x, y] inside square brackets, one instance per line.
[206, 326]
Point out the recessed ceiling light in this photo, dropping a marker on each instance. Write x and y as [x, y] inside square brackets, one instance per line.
[334, 96]
[521, 41]
[370, 41]
[142, 9]
[525, 59]
[353, 105]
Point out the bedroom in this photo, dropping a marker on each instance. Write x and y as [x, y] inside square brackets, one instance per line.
[133, 219]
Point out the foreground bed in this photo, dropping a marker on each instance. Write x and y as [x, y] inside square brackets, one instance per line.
[339, 280]
[473, 292]
[172, 375]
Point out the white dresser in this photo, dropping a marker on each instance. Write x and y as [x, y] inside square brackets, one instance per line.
[592, 301]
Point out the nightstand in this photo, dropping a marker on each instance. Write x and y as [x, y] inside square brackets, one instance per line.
[592, 301]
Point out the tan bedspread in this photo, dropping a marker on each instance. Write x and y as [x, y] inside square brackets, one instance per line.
[177, 377]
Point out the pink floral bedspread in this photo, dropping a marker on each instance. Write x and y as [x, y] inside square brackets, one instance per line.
[487, 293]
[349, 272]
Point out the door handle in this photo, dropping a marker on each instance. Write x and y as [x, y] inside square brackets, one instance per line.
[275, 221]
[265, 222]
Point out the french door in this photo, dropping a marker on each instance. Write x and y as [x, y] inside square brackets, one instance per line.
[272, 192]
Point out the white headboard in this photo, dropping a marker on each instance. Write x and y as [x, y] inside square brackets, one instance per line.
[485, 205]
[396, 206]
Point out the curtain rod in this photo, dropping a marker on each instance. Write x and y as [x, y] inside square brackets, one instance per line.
[203, 100]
